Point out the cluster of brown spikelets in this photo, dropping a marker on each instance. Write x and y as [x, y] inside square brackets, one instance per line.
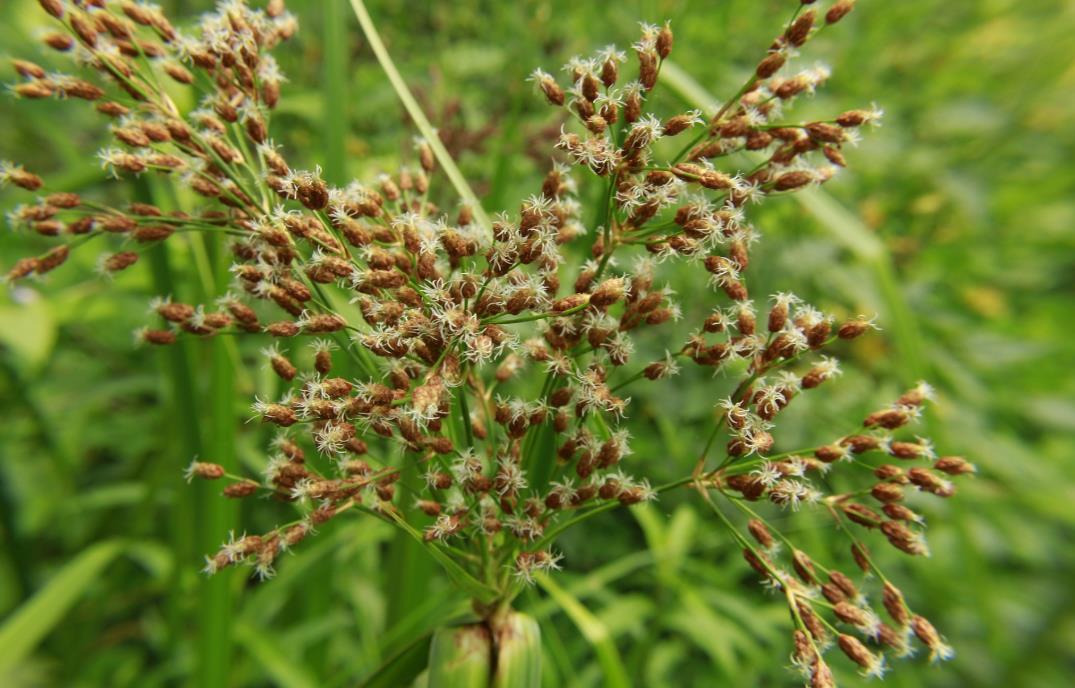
[454, 323]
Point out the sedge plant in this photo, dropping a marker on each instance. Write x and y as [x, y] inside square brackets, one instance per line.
[496, 352]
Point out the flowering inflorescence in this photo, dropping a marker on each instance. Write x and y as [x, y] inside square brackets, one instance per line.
[449, 317]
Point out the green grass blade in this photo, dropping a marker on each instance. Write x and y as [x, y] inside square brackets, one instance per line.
[32, 621]
[593, 629]
[407, 568]
[272, 658]
[402, 668]
[419, 118]
[334, 96]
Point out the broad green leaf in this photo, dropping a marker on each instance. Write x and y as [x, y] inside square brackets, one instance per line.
[37, 617]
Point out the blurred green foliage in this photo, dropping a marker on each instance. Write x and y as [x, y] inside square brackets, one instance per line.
[965, 191]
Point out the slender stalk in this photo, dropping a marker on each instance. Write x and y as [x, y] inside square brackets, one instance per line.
[419, 118]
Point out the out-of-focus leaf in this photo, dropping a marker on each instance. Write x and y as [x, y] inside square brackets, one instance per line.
[28, 330]
[273, 658]
[593, 629]
[31, 622]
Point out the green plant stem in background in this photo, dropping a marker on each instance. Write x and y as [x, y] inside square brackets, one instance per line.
[220, 515]
[183, 431]
[335, 98]
[184, 435]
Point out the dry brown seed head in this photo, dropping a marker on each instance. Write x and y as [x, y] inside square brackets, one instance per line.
[862, 514]
[770, 64]
[811, 621]
[930, 638]
[63, 199]
[243, 488]
[803, 567]
[839, 10]
[821, 674]
[861, 557]
[844, 583]
[22, 268]
[850, 614]
[159, 337]
[888, 418]
[28, 69]
[204, 470]
[283, 367]
[296, 534]
[34, 89]
[860, 443]
[429, 507]
[833, 593]
[53, 7]
[283, 328]
[887, 492]
[889, 472]
[954, 465]
[778, 316]
[569, 302]
[59, 41]
[632, 107]
[804, 653]
[853, 328]
[608, 292]
[52, 259]
[789, 181]
[553, 93]
[900, 513]
[84, 28]
[823, 131]
[830, 453]
[48, 227]
[799, 30]
[120, 261]
[857, 652]
[21, 178]
[894, 604]
[275, 8]
[756, 563]
[665, 41]
[279, 414]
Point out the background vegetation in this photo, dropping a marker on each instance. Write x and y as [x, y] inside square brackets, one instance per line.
[953, 224]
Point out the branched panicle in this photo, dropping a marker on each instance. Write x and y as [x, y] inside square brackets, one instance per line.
[448, 320]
